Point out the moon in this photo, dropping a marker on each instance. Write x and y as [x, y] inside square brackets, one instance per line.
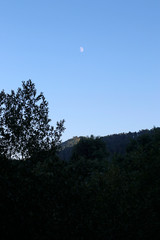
[81, 49]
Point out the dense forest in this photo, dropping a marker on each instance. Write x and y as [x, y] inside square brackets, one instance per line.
[109, 189]
[116, 144]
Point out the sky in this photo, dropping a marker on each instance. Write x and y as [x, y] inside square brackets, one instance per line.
[96, 61]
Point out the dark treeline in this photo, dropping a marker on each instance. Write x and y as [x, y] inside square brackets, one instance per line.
[89, 196]
[97, 194]
[116, 144]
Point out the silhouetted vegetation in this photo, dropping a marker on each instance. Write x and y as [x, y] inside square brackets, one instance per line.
[93, 196]
[24, 123]
[116, 144]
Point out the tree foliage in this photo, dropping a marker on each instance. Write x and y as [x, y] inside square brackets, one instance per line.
[84, 198]
[90, 148]
[24, 123]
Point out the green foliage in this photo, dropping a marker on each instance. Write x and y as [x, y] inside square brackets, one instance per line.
[116, 144]
[24, 123]
[90, 148]
[86, 198]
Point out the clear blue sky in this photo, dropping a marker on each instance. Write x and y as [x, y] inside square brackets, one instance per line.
[112, 86]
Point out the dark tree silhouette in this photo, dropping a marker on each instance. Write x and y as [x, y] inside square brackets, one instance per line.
[24, 123]
[90, 148]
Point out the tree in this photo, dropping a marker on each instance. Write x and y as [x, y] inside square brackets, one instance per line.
[24, 124]
[90, 148]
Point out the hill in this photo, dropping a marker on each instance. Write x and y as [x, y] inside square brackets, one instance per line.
[115, 143]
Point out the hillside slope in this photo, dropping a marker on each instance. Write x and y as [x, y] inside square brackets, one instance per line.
[115, 144]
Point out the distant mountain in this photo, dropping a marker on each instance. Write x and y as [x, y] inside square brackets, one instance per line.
[70, 143]
[67, 147]
[115, 144]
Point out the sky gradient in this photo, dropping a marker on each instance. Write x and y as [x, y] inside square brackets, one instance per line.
[96, 61]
